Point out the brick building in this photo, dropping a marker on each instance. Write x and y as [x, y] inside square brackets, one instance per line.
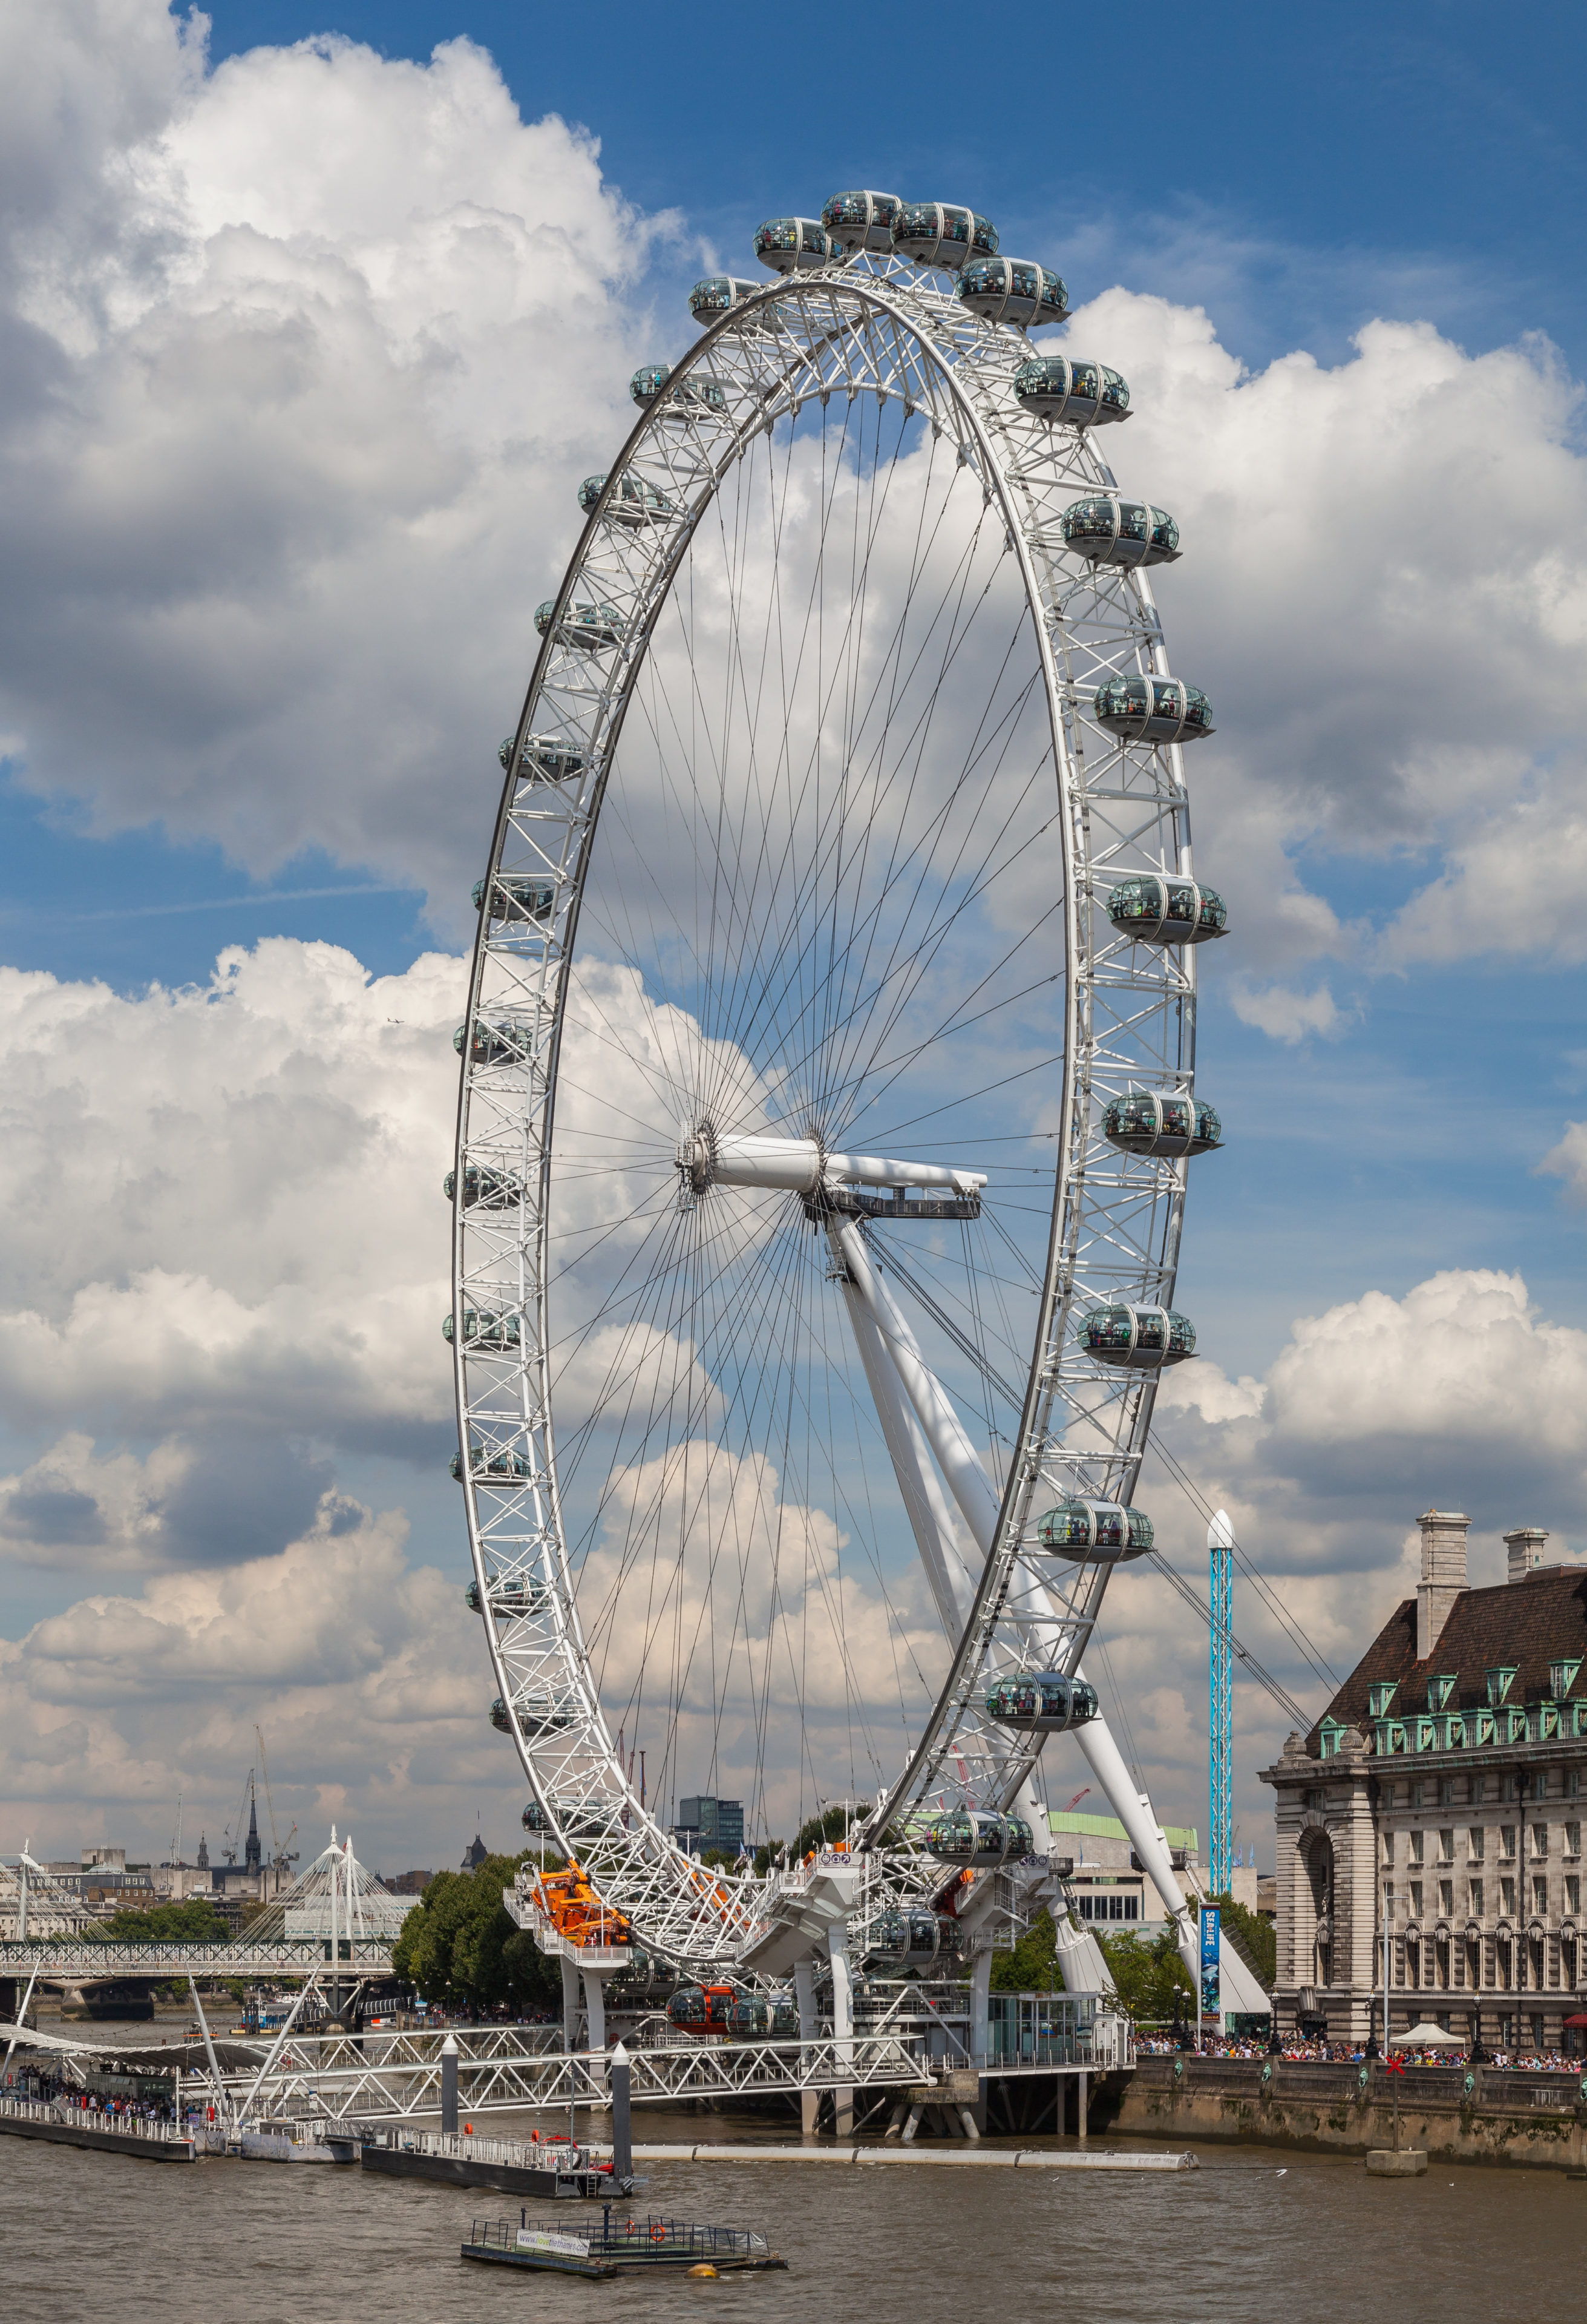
[1441, 1793]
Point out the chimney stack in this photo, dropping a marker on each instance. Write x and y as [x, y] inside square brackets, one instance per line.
[1444, 1574]
[1526, 1551]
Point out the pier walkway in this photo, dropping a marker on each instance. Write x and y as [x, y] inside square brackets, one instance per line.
[72, 1957]
[107, 2134]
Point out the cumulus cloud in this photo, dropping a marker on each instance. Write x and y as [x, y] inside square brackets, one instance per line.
[365, 1670]
[307, 357]
[1279, 1010]
[226, 1200]
[306, 354]
[1383, 590]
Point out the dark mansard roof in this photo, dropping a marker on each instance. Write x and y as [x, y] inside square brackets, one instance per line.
[1529, 1624]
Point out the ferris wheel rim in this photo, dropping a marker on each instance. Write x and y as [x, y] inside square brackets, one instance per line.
[905, 307]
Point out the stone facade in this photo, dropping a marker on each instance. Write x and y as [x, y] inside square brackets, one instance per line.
[1441, 1795]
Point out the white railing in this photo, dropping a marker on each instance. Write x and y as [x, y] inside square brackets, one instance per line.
[118, 2126]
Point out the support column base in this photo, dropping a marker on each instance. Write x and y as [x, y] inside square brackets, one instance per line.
[1410, 2163]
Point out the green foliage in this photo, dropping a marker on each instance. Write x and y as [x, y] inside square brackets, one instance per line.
[1032, 1966]
[719, 1859]
[461, 1944]
[821, 1830]
[766, 1856]
[194, 1923]
[1255, 1941]
[1149, 1976]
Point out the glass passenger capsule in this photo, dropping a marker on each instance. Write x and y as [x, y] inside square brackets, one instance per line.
[535, 1818]
[943, 234]
[1100, 1532]
[491, 1468]
[633, 502]
[484, 1327]
[1113, 531]
[1139, 1338]
[793, 245]
[754, 2018]
[1155, 909]
[716, 295]
[1151, 1122]
[489, 1190]
[1048, 1704]
[682, 400]
[1060, 388]
[510, 1595]
[1014, 290]
[862, 221]
[514, 895]
[582, 624]
[536, 1715]
[544, 759]
[901, 1940]
[504, 1043]
[977, 1837]
[702, 2009]
[1153, 710]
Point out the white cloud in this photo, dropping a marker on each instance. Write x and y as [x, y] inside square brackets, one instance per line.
[366, 1674]
[1568, 1160]
[310, 355]
[1384, 590]
[226, 1201]
[1284, 1014]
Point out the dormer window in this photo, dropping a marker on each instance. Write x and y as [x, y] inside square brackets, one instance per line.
[1561, 1678]
[1439, 1690]
[1328, 1737]
[1500, 1682]
[1380, 1696]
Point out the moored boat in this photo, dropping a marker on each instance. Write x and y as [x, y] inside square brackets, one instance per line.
[627, 2244]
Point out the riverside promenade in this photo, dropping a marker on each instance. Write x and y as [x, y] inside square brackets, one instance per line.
[1459, 2114]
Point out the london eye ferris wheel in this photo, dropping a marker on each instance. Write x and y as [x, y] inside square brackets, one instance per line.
[827, 1095]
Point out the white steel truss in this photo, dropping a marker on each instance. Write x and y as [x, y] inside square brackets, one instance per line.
[887, 331]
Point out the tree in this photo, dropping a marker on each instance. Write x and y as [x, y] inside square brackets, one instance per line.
[1148, 1976]
[460, 1944]
[822, 1829]
[1032, 1966]
[195, 1922]
[1255, 1941]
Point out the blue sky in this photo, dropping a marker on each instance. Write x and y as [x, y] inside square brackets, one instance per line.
[1391, 1099]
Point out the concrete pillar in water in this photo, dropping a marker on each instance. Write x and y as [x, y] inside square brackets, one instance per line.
[449, 2085]
[804, 1996]
[1082, 2089]
[842, 2023]
[570, 2002]
[622, 2135]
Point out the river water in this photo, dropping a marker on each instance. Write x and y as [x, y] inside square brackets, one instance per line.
[1254, 2234]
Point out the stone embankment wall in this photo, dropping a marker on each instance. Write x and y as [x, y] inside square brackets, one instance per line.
[1459, 2114]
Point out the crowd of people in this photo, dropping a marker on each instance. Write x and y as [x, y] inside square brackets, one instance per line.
[1159, 2043]
[39, 2086]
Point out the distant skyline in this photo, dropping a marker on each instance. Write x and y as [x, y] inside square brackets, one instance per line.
[303, 354]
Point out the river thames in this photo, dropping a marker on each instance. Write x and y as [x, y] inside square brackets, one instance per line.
[1254, 2234]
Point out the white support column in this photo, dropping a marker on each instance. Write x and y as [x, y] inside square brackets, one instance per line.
[929, 1516]
[570, 2002]
[842, 2024]
[955, 1455]
[980, 1994]
[972, 1488]
[805, 1998]
[595, 2009]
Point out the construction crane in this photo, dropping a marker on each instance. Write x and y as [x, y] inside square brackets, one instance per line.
[1220, 1706]
[279, 1856]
